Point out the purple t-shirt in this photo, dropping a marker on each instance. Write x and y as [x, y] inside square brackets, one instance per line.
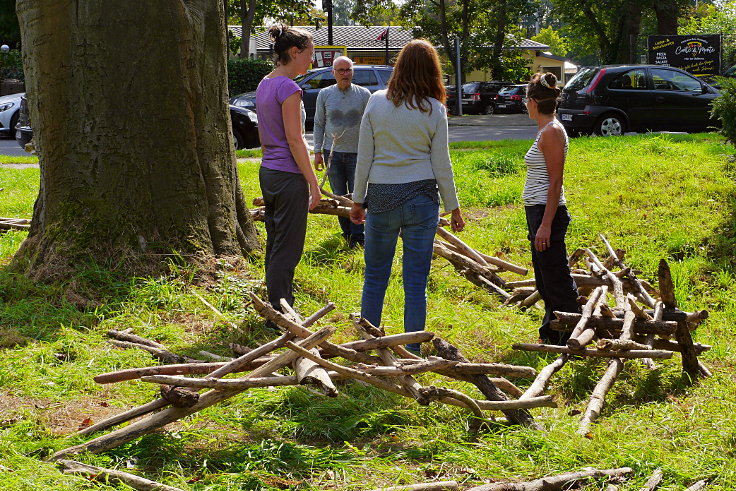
[270, 94]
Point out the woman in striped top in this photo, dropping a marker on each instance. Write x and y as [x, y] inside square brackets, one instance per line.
[544, 202]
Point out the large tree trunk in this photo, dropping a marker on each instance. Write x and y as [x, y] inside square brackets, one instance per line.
[131, 124]
[667, 12]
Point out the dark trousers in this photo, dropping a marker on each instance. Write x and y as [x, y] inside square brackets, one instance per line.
[342, 179]
[286, 196]
[552, 272]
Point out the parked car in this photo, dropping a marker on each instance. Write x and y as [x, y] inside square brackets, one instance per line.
[478, 97]
[372, 77]
[511, 99]
[611, 100]
[9, 107]
[244, 125]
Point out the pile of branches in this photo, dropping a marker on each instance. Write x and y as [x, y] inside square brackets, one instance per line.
[377, 359]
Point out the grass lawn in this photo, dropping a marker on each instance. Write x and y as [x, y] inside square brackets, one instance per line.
[656, 196]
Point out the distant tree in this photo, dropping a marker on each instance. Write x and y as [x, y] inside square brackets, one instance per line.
[9, 29]
[342, 11]
[145, 171]
[707, 18]
[558, 45]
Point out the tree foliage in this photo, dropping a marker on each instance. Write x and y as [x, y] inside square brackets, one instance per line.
[707, 18]
[9, 29]
[558, 44]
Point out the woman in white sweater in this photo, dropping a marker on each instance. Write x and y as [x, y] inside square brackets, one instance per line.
[402, 171]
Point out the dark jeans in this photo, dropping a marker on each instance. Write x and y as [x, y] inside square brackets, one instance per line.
[287, 199]
[342, 179]
[552, 272]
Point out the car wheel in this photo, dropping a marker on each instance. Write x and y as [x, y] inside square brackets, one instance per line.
[238, 140]
[610, 125]
[13, 122]
[488, 109]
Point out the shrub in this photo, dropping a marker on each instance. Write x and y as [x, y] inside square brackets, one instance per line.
[724, 108]
[11, 66]
[244, 74]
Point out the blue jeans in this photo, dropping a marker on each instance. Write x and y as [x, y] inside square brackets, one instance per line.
[342, 179]
[416, 220]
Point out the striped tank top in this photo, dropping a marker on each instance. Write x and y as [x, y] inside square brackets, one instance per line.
[537, 178]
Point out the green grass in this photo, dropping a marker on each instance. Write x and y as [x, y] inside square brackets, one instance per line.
[656, 196]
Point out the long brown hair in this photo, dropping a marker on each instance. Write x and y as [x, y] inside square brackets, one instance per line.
[417, 75]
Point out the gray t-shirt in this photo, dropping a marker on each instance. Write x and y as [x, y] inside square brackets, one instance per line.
[337, 118]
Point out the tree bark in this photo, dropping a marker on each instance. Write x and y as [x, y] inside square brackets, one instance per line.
[132, 129]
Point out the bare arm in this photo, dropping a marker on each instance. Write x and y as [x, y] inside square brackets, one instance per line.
[552, 145]
[291, 112]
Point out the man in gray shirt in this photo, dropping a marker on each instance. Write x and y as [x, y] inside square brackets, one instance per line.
[336, 129]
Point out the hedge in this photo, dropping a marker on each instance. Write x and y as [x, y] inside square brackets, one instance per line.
[244, 74]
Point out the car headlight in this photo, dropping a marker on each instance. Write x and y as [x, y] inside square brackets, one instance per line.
[244, 103]
[5, 107]
[253, 116]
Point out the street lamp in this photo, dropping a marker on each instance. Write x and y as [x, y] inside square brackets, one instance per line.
[4, 48]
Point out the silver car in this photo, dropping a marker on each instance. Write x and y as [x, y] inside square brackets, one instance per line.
[9, 107]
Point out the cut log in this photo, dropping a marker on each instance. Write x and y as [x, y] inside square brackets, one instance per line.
[553, 483]
[687, 349]
[666, 287]
[101, 474]
[308, 372]
[178, 396]
[484, 384]
[551, 348]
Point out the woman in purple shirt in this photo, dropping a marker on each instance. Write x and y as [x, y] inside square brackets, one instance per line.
[288, 182]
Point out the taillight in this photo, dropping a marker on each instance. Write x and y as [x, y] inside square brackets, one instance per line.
[515, 97]
[596, 79]
[475, 97]
[498, 97]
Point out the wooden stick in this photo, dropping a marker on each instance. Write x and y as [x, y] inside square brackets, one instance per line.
[124, 416]
[169, 415]
[389, 341]
[542, 379]
[619, 344]
[698, 486]
[158, 353]
[427, 486]
[102, 474]
[531, 299]
[319, 314]
[664, 328]
[619, 261]
[653, 481]
[178, 369]
[553, 483]
[290, 312]
[618, 287]
[219, 383]
[217, 312]
[504, 264]
[580, 328]
[485, 385]
[465, 248]
[433, 364]
[550, 348]
[213, 356]
[126, 336]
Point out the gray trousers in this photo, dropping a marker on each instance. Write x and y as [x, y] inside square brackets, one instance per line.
[286, 196]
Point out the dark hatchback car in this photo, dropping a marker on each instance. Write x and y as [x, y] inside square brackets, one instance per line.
[244, 124]
[611, 100]
[372, 77]
[511, 99]
[478, 97]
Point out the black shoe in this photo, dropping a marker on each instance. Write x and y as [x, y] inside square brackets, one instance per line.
[359, 243]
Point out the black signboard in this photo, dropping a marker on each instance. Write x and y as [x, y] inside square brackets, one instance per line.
[699, 54]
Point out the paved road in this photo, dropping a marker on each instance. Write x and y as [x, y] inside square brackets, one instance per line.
[465, 128]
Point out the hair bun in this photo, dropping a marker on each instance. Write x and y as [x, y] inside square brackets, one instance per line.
[546, 82]
[275, 32]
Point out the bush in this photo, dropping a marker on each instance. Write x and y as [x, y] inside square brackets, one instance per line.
[724, 108]
[11, 66]
[244, 74]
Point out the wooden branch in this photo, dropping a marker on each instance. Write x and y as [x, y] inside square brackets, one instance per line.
[429, 365]
[485, 385]
[505, 265]
[158, 353]
[653, 481]
[698, 486]
[219, 314]
[389, 341]
[580, 334]
[542, 379]
[666, 287]
[288, 311]
[619, 344]
[426, 486]
[665, 328]
[219, 383]
[553, 483]
[550, 348]
[319, 314]
[124, 416]
[618, 260]
[268, 312]
[213, 356]
[169, 415]
[463, 369]
[531, 299]
[465, 248]
[432, 393]
[102, 474]
[618, 287]
[177, 369]
[474, 271]
[126, 336]
[309, 372]
[687, 350]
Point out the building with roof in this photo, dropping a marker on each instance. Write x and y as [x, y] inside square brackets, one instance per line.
[367, 46]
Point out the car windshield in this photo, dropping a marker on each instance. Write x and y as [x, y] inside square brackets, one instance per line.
[470, 87]
[510, 90]
[581, 79]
